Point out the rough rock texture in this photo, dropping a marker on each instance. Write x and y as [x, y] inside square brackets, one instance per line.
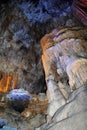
[19, 47]
[65, 63]
[38, 105]
[8, 81]
[71, 116]
[22, 24]
[32, 116]
[79, 8]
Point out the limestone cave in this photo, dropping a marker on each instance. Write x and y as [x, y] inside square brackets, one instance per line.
[43, 65]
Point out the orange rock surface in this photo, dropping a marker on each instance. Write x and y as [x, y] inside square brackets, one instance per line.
[8, 81]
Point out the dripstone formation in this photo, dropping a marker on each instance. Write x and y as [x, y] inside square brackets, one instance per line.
[65, 64]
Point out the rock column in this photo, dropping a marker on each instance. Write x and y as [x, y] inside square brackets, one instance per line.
[64, 60]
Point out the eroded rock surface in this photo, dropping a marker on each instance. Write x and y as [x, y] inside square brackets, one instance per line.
[65, 63]
[22, 24]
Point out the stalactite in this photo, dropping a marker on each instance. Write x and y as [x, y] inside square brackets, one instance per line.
[8, 81]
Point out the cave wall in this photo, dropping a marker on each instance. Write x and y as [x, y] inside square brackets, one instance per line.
[22, 25]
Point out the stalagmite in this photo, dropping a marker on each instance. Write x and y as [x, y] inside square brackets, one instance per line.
[64, 60]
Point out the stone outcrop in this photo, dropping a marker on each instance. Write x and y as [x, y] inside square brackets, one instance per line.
[65, 63]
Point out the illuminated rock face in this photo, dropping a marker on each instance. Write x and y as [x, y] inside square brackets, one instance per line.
[65, 64]
[8, 81]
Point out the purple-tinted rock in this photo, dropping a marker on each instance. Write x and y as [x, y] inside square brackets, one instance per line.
[18, 99]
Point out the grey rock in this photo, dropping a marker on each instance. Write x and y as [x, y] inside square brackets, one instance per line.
[73, 115]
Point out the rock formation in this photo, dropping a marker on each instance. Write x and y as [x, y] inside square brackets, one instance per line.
[79, 8]
[38, 105]
[8, 81]
[65, 64]
[22, 24]
[18, 99]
